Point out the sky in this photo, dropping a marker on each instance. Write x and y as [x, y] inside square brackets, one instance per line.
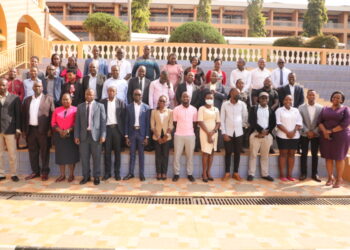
[328, 2]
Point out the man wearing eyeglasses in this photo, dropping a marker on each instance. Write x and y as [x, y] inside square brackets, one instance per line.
[279, 75]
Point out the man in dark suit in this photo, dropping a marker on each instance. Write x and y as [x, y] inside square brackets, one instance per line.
[52, 85]
[10, 125]
[90, 134]
[189, 87]
[37, 112]
[115, 116]
[292, 89]
[94, 80]
[137, 132]
[102, 63]
[139, 82]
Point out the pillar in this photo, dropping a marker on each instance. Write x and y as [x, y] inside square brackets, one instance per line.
[64, 12]
[116, 10]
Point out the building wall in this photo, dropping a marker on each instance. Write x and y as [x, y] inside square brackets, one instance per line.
[14, 10]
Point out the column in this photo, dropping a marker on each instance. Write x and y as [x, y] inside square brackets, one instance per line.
[116, 10]
[64, 12]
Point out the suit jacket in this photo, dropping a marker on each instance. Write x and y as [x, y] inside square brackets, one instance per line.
[195, 100]
[78, 96]
[102, 66]
[57, 88]
[309, 125]
[144, 119]
[219, 97]
[120, 113]
[99, 85]
[10, 115]
[253, 120]
[98, 122]
[158, 125]
[46, 109]
[298, 95]
[134, 84]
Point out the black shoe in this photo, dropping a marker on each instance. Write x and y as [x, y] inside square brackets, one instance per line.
[117, 178]
[159, 178]
[250, 178]
[190, 178]
[2, 178]
[106, 177]
[85, 180]
[302, 177]
[128, 177]
[96, 180]
[163, 178]
[316, 178]
[176, 177]
[14, 178]
[205, 180]
[268, 178]
[142, 178]
[210, 179]
[272, 151]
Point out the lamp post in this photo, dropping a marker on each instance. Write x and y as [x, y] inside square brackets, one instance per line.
[129, 19]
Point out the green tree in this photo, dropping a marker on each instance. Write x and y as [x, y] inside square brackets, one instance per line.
[314, 18]
[140, 15]
[204, 11]
[256, 19]
[196, 32]
[106, 27]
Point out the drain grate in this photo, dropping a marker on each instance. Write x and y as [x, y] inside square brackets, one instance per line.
[179, 200]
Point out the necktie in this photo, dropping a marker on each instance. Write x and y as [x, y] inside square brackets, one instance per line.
[281, 77]
[88, 115]
[140, 82]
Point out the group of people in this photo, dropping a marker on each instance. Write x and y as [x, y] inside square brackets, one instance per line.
[110, 106]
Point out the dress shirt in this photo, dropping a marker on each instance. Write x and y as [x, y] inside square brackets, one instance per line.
[258, 77]
[312, 111]
[64, 118]
[50, 86]
[276, 77]
[189, 89]
[122, 88]
[34, 110]
[28, 87]
[137, 108]
[233, 118]
[292, 89]
[92, 83]
[123, 65]
[263, 116]
[142, 83]
[111, 115]
[3, 98]
[90, 113]
[289, 118]
[245, 75]
[156, 90]
[184, 118]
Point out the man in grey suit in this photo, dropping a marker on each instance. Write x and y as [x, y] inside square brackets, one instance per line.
[309, 134]
[90, 134]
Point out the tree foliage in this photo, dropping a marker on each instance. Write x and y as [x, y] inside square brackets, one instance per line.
[196, 32]
[292, 41]
[106, 27]
[328, 42]
[204, 11]
[256, 19]
[314, 18]
[140, 15]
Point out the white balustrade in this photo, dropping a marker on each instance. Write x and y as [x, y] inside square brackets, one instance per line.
[295, 56]
[109, 51]
[65, 50]
[338, 58]
[232, 54]
[161, 52]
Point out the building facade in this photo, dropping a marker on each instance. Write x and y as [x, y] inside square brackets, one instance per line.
[228, 16]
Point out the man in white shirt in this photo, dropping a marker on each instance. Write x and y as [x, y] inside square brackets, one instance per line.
[309, 134]
[123, 65]
[161, 86]
[29, 83]
[234, 116]
[279, 75]
[120, 84]
[240, 73]
[259, 75]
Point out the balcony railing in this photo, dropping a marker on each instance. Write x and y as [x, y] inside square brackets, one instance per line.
[227, 20]
[58, 16]
[181, 19]
[333, 26]
[159, 19]
[281, 23]
[77, 17]
[215, 20]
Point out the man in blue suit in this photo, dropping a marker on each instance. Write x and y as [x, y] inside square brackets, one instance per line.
[102, 63]
[90, 134]
[137, 132]
[52, 85]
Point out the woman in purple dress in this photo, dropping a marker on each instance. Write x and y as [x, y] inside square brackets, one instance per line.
[335, 140]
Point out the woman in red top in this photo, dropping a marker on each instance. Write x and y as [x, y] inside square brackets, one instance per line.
[199, 76]
[67, 152]
[72, 64]
[217, 68]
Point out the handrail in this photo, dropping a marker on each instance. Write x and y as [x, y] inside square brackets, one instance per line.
[13, 57]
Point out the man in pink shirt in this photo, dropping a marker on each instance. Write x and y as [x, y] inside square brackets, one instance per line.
[15, 86]
[159, 87]
[185, 118]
